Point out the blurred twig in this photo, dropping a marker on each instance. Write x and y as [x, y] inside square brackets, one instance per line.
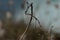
[50, 34]
[20, 38]
[31, 14]
[30, 5]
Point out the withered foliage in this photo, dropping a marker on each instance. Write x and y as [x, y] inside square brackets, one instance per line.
[13, 31]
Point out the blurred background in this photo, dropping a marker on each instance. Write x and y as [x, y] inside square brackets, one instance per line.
[13, 21]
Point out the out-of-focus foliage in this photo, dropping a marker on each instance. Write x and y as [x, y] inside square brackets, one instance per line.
[13, 30]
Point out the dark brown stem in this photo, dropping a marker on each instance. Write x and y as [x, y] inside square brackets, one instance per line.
[29, 21]
[31, 5]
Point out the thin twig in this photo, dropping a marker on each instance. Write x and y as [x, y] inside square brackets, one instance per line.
[35, 19]
[29, 22]
[31, 5]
